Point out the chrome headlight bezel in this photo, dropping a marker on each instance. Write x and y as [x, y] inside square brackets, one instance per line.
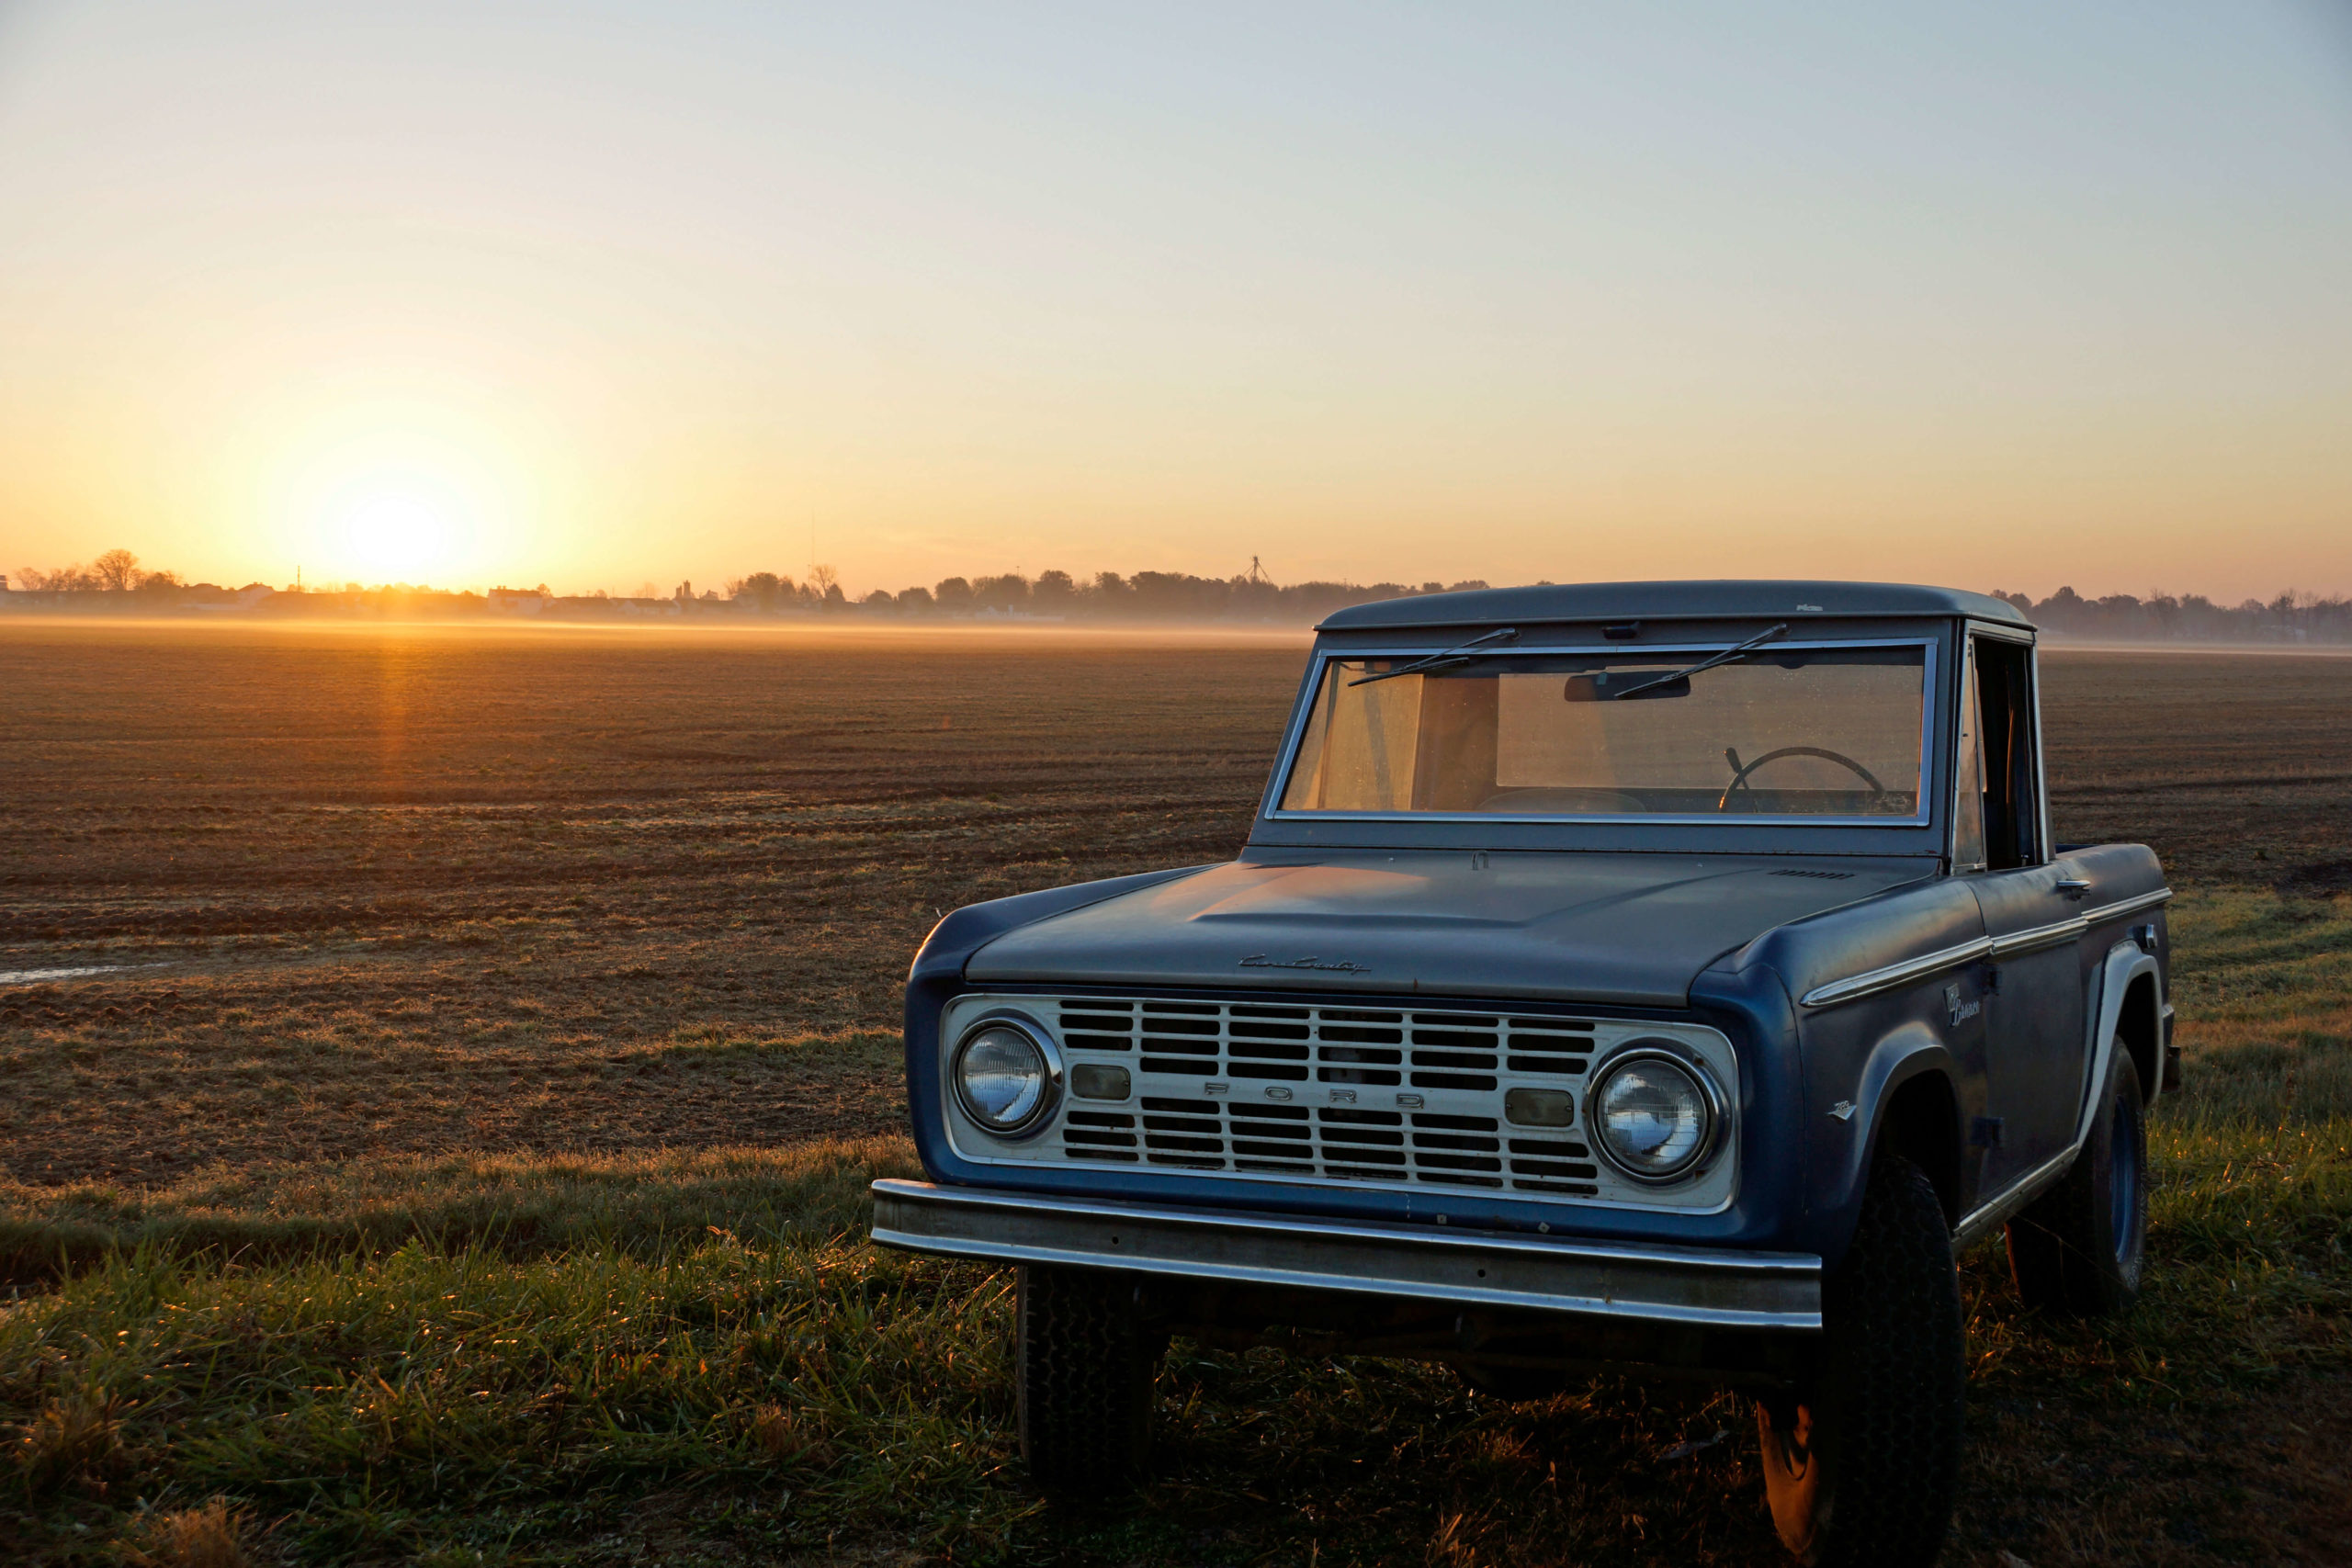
[1049, 1096]
[1673, 1055]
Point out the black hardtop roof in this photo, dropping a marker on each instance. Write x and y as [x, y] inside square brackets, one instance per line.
[1723, 599]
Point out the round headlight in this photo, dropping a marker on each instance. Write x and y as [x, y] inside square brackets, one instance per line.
[1007, 1077]
[1653, 1116]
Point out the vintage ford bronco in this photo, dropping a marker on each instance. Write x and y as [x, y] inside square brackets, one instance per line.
[1663, 977]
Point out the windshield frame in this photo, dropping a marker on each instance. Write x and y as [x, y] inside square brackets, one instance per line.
[1680, 649]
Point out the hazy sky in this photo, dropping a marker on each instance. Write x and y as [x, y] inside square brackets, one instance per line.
[1994, 295]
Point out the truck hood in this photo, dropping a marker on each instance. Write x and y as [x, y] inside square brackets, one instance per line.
[1630, 929]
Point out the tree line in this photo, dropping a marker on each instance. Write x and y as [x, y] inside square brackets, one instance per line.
[1057, 595]
[112, 579]
[116, 572]
[2290, 617]
[117, 579]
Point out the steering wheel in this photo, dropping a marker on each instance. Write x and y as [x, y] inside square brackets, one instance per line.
[1741, 769]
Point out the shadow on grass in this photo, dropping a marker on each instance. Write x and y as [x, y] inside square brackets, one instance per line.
[644, 1206]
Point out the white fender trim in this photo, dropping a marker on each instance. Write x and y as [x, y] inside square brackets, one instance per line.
[2125, 963]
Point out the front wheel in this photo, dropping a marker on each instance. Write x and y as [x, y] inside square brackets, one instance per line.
[1085, 1365]
[1860, 1466]
[2080, 1248]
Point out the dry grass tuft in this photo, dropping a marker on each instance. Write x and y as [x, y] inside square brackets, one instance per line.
[76, 1439]
[787, 1438]
[208, 1537]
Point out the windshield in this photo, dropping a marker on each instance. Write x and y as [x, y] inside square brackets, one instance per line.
[1779, 731]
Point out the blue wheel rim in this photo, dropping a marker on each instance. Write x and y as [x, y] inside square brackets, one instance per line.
[2123, 1185]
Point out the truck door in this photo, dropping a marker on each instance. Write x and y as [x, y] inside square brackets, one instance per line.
[2033, 985]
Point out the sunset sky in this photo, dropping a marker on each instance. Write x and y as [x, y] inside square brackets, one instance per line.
[595, 293]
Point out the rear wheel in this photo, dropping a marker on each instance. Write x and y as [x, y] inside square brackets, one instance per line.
[1085, 1366]
[2080, 1248]
[1860, 1466]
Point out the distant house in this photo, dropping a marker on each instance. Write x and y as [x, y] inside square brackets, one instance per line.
[206, 599]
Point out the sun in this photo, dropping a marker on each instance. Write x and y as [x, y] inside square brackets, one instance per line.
[404, 534]
[399, 494]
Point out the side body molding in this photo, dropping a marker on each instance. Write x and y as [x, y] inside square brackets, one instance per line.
[1893, 943]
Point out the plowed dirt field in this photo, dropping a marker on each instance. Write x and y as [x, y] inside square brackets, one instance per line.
[414, 889]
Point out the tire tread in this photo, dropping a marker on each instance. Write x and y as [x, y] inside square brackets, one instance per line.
[1084, 1373]
[1898, 1309]
[1890, 1395]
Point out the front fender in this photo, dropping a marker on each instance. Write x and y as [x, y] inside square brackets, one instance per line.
[1849, 1095]
[1910, 1051]
[938, 972]
[965, 932]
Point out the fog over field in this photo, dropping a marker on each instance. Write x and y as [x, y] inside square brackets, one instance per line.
[117, 586]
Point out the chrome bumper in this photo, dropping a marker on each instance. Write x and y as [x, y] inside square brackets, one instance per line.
[1708, 1286]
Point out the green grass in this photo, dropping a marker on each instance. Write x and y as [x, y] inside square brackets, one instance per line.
[694, 1359]
[433, 1399]
[2181, 1431]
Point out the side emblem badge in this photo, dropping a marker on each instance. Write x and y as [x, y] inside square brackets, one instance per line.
[1960, 1011]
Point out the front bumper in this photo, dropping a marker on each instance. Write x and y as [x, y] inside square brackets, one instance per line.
[1700, 1286]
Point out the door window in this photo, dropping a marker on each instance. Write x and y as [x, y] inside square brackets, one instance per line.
[2009, 773]
[1968, 793]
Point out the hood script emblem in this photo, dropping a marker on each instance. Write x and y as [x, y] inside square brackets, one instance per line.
[1335, 965]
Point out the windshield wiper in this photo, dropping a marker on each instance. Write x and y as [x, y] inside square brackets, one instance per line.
[1725, 657]
[1452, 656]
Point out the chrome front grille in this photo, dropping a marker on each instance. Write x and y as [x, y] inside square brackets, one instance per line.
[1251, 1075]
[1327, 1044]
[1344, 1090]
[1339, 1143]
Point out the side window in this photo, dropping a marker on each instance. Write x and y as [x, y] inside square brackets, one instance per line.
[2010, 772]
[1968, 793]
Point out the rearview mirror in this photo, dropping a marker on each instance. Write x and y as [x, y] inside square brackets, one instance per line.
[1604, 685]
